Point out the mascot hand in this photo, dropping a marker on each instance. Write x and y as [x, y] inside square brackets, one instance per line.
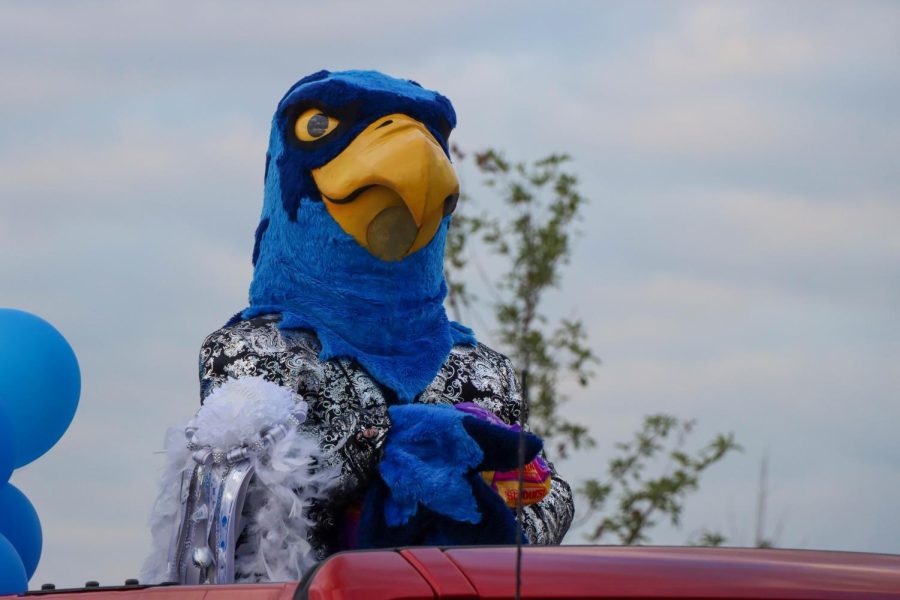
[430, 490]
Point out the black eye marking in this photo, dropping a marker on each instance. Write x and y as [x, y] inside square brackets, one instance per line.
[444, 129]
[450, 203]
[317, 125]
[385, 124]
[298, 133]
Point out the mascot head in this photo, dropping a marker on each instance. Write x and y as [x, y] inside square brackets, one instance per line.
[358, 192]
[373, 150]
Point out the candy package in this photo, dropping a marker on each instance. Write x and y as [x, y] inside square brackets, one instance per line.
[536, 481]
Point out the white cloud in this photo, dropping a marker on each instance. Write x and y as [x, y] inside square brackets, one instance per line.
[718, 41]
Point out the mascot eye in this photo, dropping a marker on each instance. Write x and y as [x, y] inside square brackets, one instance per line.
[313, 125]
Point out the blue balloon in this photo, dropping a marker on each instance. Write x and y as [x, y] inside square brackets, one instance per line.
[20, 525]
[12, 572]
[7, 447]
[39, 382]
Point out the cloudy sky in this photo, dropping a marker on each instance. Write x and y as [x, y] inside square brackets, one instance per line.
[740, 262]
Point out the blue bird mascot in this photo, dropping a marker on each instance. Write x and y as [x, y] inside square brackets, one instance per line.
[331, 408]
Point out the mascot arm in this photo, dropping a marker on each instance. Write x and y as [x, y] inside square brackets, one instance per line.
[228, 354]
[359, 454]
[353, 435]
[546, 522]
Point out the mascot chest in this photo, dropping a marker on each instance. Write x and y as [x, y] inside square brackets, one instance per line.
[341, 395]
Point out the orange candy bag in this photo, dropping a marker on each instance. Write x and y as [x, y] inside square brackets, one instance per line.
[536, 482]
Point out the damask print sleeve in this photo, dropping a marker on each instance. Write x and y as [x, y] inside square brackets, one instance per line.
[546, 522]
[228, 353]
[346, 413]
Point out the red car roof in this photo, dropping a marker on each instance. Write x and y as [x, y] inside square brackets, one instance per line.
[608, 572]
[619, 573]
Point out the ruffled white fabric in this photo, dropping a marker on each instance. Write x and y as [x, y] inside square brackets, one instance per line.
[288, 479]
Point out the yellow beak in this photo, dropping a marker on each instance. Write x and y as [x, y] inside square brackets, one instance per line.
[389, 188]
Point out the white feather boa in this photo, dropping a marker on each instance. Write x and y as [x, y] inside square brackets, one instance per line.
[288, 478]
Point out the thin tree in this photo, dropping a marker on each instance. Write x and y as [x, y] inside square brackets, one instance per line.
[542, 205]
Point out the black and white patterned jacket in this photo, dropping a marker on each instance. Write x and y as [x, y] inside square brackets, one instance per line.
[348, 409]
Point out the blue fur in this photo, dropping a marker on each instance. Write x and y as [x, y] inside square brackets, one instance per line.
[388, 316]
[429, 490]
[431, 455]
[257, 238]
[462, 335]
